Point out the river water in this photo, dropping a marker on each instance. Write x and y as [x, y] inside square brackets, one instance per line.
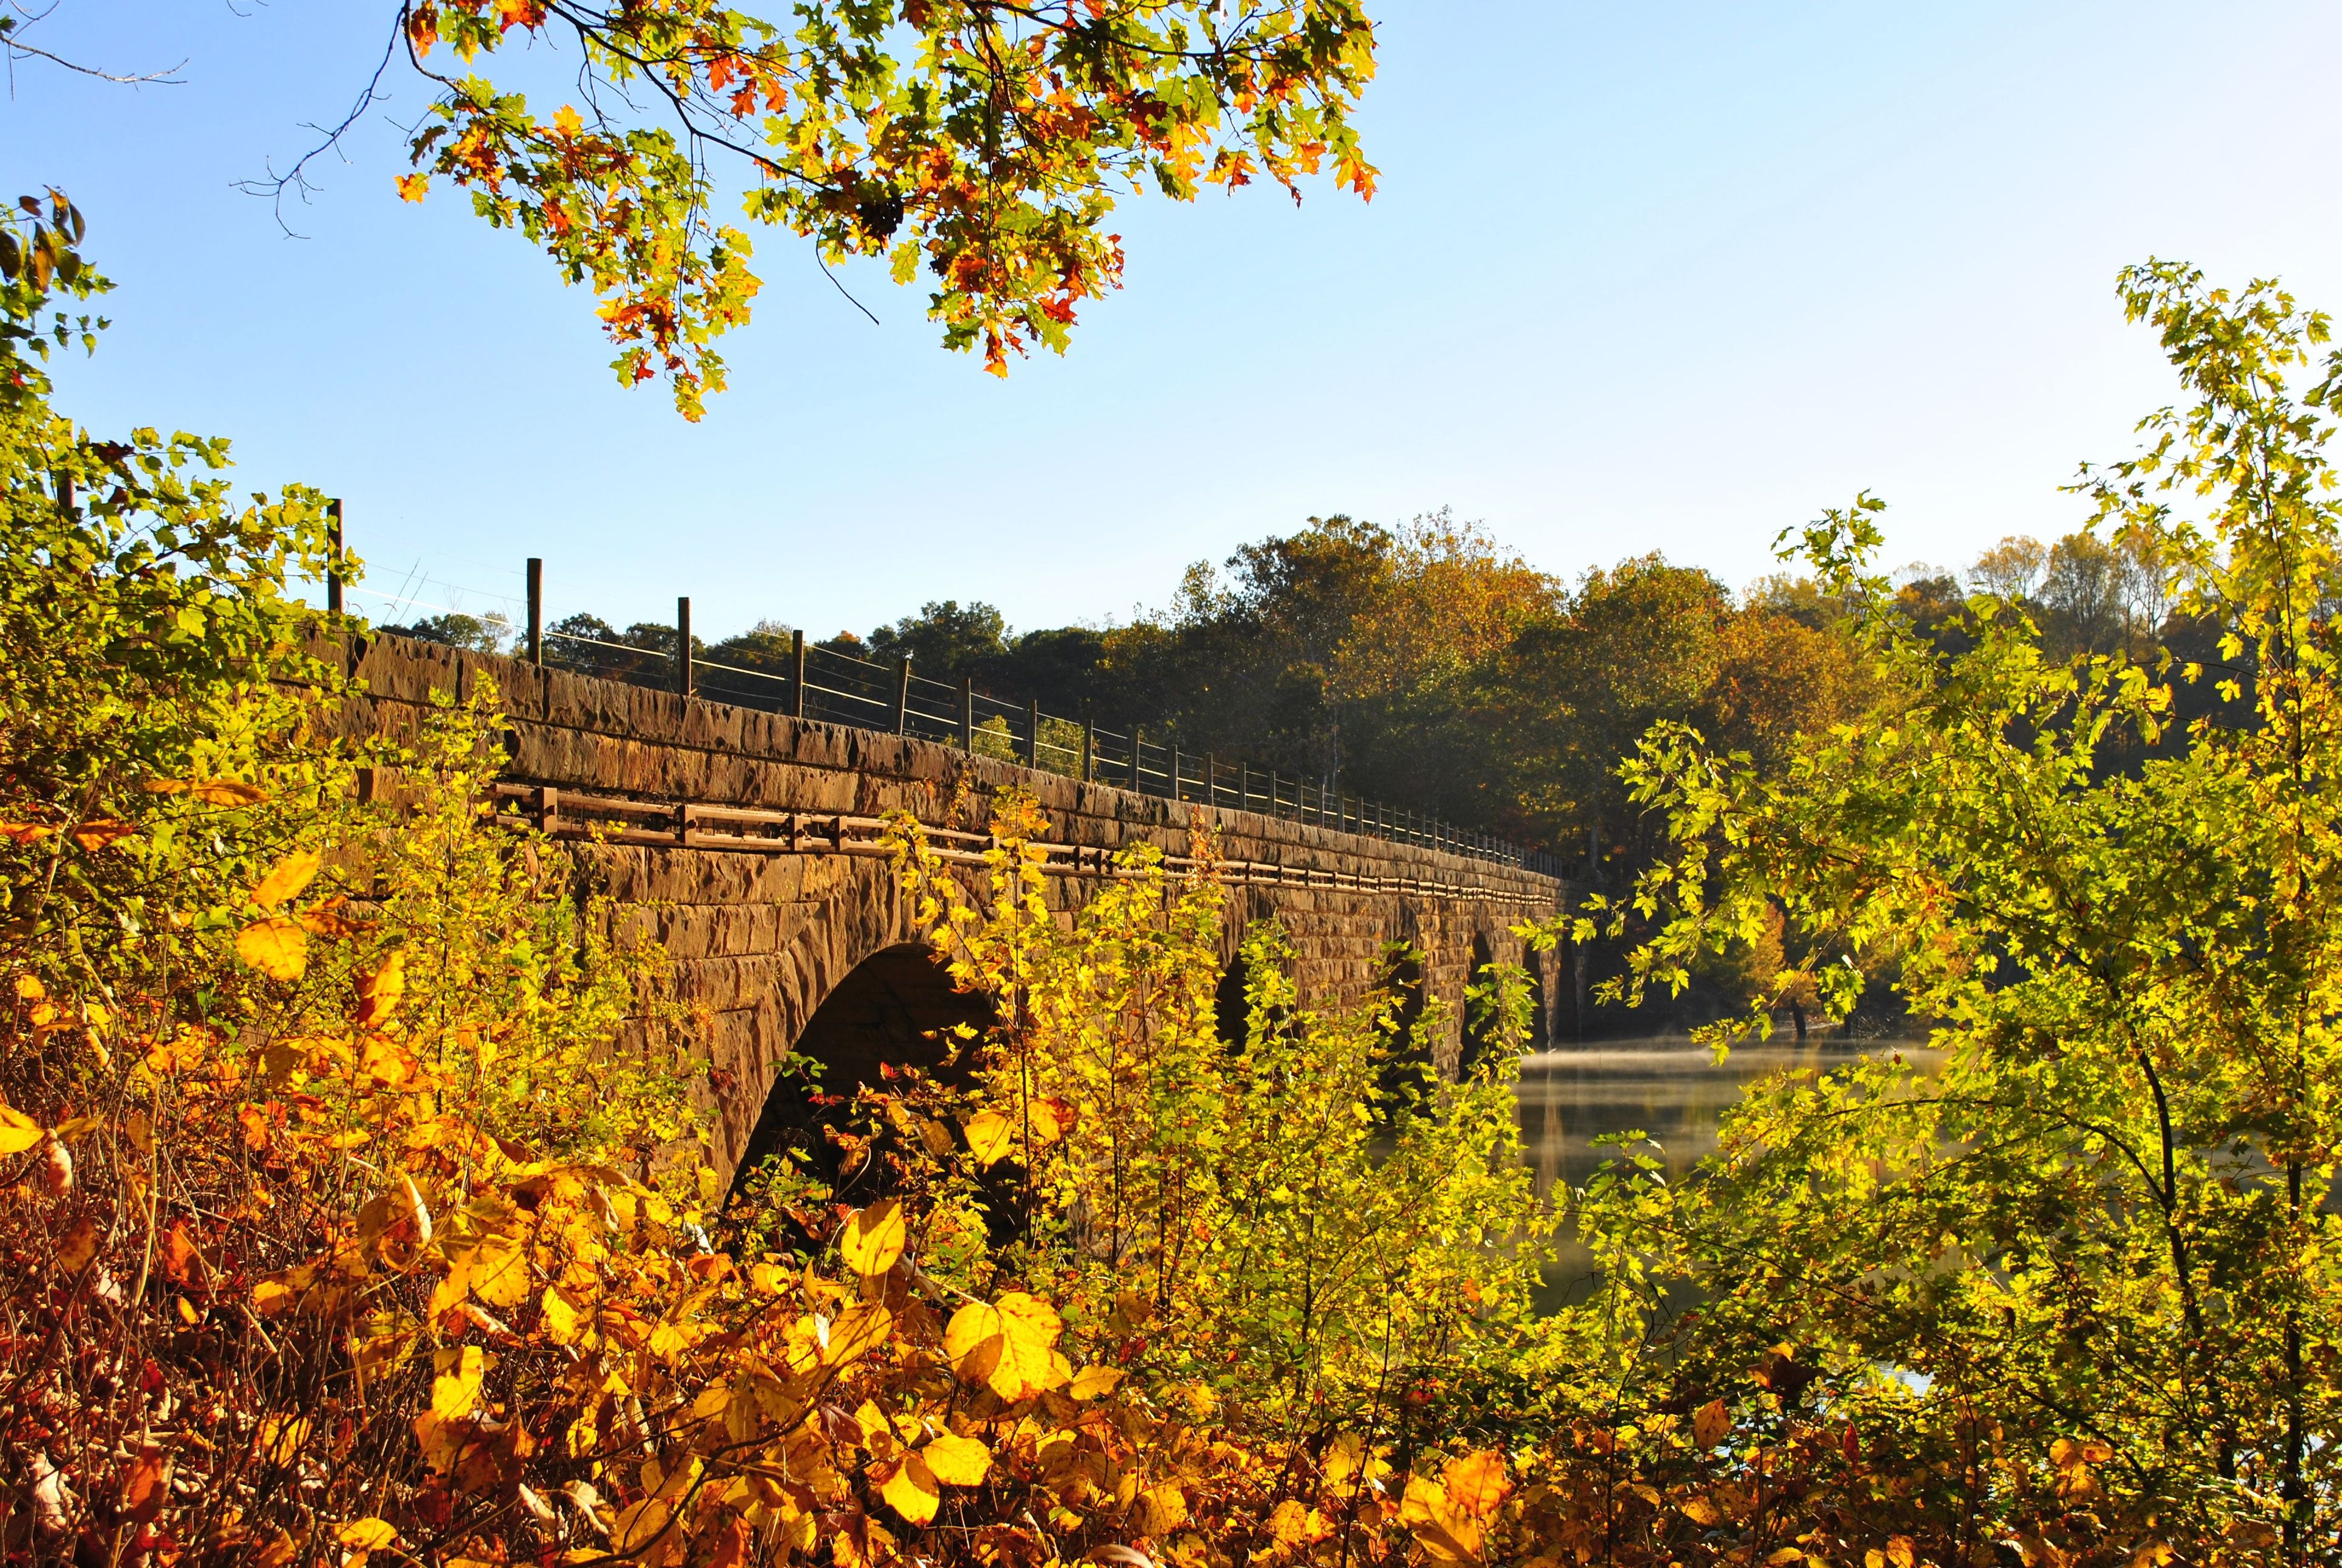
[1669, 1088]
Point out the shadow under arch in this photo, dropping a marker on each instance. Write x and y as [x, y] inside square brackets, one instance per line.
[1408, 1053]
[1483, 1029]
[890, 1011]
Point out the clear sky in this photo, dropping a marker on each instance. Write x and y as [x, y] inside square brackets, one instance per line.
[1665, 276]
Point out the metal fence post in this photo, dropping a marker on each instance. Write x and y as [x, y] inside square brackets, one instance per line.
[683, 646]
[332, 557]
[1032, 732]
[1211, 780]
[796, 674]
[535, 611]
[1137, 778]
[967, 712]
[1175, 771]
[1243, 786]
[1089, 748]
[902, 695]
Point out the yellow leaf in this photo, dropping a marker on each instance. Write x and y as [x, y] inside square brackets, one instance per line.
[385, 1062]
[567, 120]
[281, 1437]
[500, 1274]
[874, 1238]
[1703, 1512]
[1048, 1120]
[1096, 1381]
[367, 1534]
[18, 1132]
[1007, 1345]
[864, 1327]
[1161, 1510]
[911, 1490]
[639, 1525]
[379, 993]
[277, 948]
[561, 1319]
[1783, 1556]
[29, 988]
[990, 1137]
[413, 187]
[1902, 1551]
[1711, 1424]
[957, 1460]
[455, 1391]
[279, 1551]
[286, 878]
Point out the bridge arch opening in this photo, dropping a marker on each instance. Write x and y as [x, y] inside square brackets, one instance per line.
[1405, 1040]
[1232, 1007]
[893, 1009]
[1483, 1023]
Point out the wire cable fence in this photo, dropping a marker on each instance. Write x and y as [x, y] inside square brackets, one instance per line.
[804, 680]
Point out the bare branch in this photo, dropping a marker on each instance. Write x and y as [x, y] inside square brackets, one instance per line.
[296, 181]
[11, 39]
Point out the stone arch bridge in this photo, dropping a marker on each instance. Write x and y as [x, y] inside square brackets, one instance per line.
[750, 840]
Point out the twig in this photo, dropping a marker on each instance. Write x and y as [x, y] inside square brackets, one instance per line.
[295, 179]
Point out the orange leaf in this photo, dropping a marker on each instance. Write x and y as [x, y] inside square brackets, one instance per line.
[77, 1247]
[141, 1490]
[286, 878]
[277, 948]
[379, 993]
[96, 834]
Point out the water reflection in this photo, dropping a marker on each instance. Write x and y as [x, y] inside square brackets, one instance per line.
[1669, 1088]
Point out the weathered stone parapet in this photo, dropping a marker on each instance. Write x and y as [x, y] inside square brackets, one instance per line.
[760, 941]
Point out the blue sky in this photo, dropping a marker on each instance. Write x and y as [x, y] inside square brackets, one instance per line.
[1639, 277]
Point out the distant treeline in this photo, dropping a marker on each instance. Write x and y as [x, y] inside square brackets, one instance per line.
[1428, 666]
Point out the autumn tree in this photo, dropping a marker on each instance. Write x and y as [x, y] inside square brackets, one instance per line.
[2099, 1231]
[984, 146]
